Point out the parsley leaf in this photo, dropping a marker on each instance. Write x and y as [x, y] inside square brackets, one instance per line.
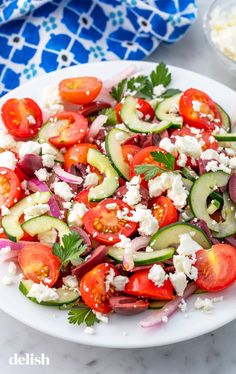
[82, 315]
[149, 171]
[170, 92]
[71, 249]
[111, 116]
[141, 85]
[167, 159]
[161, 75]
[117, 92]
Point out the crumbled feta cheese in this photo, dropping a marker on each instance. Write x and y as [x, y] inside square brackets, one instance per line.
[209, 154]
[63, 190]
[149, 249]
[205, 305]
[6, 140]
[165, 319]
[182, 159]
[189, 145]
[7, 281]
[119, 282]
[215, 166]
[101, 317]
[29, 147]
[35, 211]
[148, 224]
[12, 268]
[111, 206]
[109, 279]
[182, 264]
[5, 211]
[168, 146]
[157, 275]
[133, 196]
[70, 281]
[48, 160]
[89, 330]
[67, 204]
[52, 102]
[183, 306]
[48, 237]
[76, 214]
[5, 250]
[196, 105]
[42, 175]
[91, 180]
[179, 282]
[8, 160]
[159, 90]
[47, 149]
[187, 246]
[42, 293]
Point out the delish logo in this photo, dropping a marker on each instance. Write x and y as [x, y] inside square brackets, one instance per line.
[29, 359]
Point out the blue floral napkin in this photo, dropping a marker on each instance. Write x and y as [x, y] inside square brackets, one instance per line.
[39, 36]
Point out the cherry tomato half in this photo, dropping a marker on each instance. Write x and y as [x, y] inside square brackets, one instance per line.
[142, 106]
[10, 190]
[209, 140]
[103, 224]
[129, 151]
[93, 288]
[164, 211]
[73, 131]
[38, 263]
[77, 154]
[208, 115]
[81, 90]
[22, 117]
[140, 285]
[82, 197]
[216, 267]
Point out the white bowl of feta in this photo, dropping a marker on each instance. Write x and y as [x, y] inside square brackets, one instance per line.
[220, 29]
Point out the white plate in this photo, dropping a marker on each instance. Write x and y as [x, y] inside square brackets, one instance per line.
[121, 332]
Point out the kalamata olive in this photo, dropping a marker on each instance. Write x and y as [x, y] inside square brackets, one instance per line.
[30, 163]
[232, 187]
[97, 257]
[128, 305]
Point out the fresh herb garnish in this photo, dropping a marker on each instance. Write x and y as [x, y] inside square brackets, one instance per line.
[111, 116]
[82, 315]
[150, 171]
[170, 92]
[71, 249]
[142, 85]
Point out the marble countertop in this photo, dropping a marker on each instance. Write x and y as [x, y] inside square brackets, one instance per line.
[210, 354]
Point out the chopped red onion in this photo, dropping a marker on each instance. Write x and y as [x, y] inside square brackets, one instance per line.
[67, 177]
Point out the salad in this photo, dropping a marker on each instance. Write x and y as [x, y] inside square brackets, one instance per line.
[118, 197]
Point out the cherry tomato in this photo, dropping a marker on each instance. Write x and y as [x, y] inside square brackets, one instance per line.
[82, 197]
[74, 130]
[77, 154]
[81, 90]
[209, 140]
[164, 211]
[216, 267]
[208, 115]
[129, 151]
[39, 264]
[93, 108]
[140, 285]
[104, 225]
[142, 106]
[144, 157]
[93, 288]
[22, 117]
[10, 190]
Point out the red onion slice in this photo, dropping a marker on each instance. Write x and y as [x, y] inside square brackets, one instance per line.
[95, 127]
[136, 244]
[67, 177]
[92, 108]
[157, 317]
[128, 305]
[98, 256]
[30, 163]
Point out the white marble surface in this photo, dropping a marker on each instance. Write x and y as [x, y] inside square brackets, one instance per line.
[210, 354]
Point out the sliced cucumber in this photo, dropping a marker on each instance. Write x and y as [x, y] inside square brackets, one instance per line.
[142, 258]
[38, 225]
[11, 224]
[163, 111]
[226, 137]
[51, 129]
[228, 227]
[201, 190]
[189, 174]
[111, 178]
[226, 121]
[113, 142]
[129, 116]
[169, 236]
[65, 295]
[186, 215]
[213, 206]
[158, 304]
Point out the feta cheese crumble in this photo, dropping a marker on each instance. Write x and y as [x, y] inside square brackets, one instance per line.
[42, 175]
[70, 281]
[35, 211]
[179, 282]
[42, 293]
[6, 140]
[157, 275]
[148, 224]
[7, 281]
[29, 147]
[187, 246]
[52, 102]
[91, 180]
[76, 214]
[63, 190]
[8, 160]
[12, 268]
[133, 196]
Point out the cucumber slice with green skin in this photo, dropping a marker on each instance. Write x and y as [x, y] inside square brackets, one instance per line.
[228, 227]
[41, 224]
[186, 215]
[213, 206]
[226, 137]
[11, 224]
[50, 129]
[189, 174]
[201, 190]
[65, 296]
[129, 116]
[142, 258]
[111, 178]
[226, 121]
[113, 142]
[169, 236]
[163, 111]
[157, 304]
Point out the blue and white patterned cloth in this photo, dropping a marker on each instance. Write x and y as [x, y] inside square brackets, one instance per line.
[39, 36]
